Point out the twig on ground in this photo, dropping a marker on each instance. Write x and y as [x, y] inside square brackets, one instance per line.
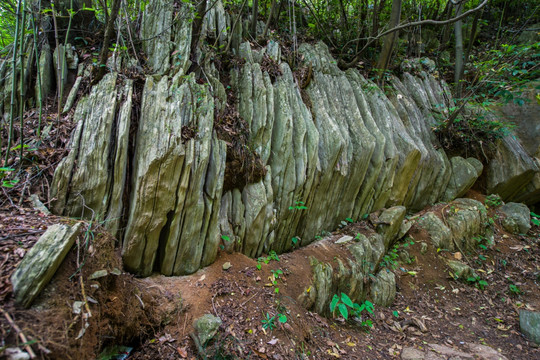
[19, 332]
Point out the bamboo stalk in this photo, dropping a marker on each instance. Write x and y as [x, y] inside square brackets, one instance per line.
[21, 90]
[59, 67]
[64, 60]
[40, 94]
[13, 83]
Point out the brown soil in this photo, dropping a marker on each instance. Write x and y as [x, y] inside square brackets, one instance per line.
[155, 315]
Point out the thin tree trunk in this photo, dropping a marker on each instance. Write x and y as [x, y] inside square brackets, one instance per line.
[386, 53]
[107, 39]
[38, 71]
[272, 10]
[21, 89]
[458, 33]
[254, 14]
[344, 15]
[13, 82]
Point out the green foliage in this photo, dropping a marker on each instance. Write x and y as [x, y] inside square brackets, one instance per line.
[269, 322]
[493, 201]
[535, 219]
[344, 305]
[502, 72]
[514, 289]
[478, 282]
[298, 205]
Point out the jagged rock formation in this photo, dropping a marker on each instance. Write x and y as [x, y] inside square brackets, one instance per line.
[338, 144]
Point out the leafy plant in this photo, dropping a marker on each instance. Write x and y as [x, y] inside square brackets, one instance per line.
[269, 322]
[344, 304]
[514, 289]
[535, 219]
[478, 282]
[493, 200]
[298, 205]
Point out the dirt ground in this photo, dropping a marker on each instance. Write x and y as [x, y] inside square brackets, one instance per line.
[154, 316]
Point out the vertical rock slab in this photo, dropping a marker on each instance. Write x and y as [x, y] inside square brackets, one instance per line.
[41, 262]
[510, 170]
[156, 30]
[82, 183]
[177, 182]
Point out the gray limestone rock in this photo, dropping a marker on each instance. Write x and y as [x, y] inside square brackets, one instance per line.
[390, 222]
[511, 170]
[517, 218]
[86, 179]
[41, 262]
[206, 327]
[46, 71]
[529, 323]
[466, 218]
[440, 234]
[464, 175]
[461, 270]
[383, 289]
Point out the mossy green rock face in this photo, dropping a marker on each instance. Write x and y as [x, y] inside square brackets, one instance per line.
[383, 289]
[390, 222]
[529, 323]
[41, 262]
[461, 270]
[518, 218]
[206, 327]
[463, 220]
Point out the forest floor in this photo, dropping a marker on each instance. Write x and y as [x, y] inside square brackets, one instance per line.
[432, 317]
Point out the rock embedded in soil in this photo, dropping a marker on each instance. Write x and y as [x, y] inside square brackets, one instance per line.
[461, 270]
[383, 289]
[518, 218]
[41, 262]
[206, 327]
[390, 222]
[529, 323]
[464, 174]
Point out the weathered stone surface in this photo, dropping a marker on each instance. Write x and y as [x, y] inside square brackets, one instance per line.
[529, 323]
[464, 174]
[41, 262]
[510, 170]
[410, 353]
[383, 289]
[461, 270]
[85, 179]
[46, 71]
[179, 231]
[517, 218]
[439, 233]
[390, 222]
[467, 218]
[206, 327]
[169, 41]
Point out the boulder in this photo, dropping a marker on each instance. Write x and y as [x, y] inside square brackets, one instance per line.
[439, 233]
[390, 222]
[517, 218]
[510, 170]
[41, 262]
[383, 289]
[464, 174]
[461, 270]
[206, 327]
[529, 323]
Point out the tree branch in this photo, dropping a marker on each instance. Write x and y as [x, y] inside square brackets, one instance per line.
[407, 25]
